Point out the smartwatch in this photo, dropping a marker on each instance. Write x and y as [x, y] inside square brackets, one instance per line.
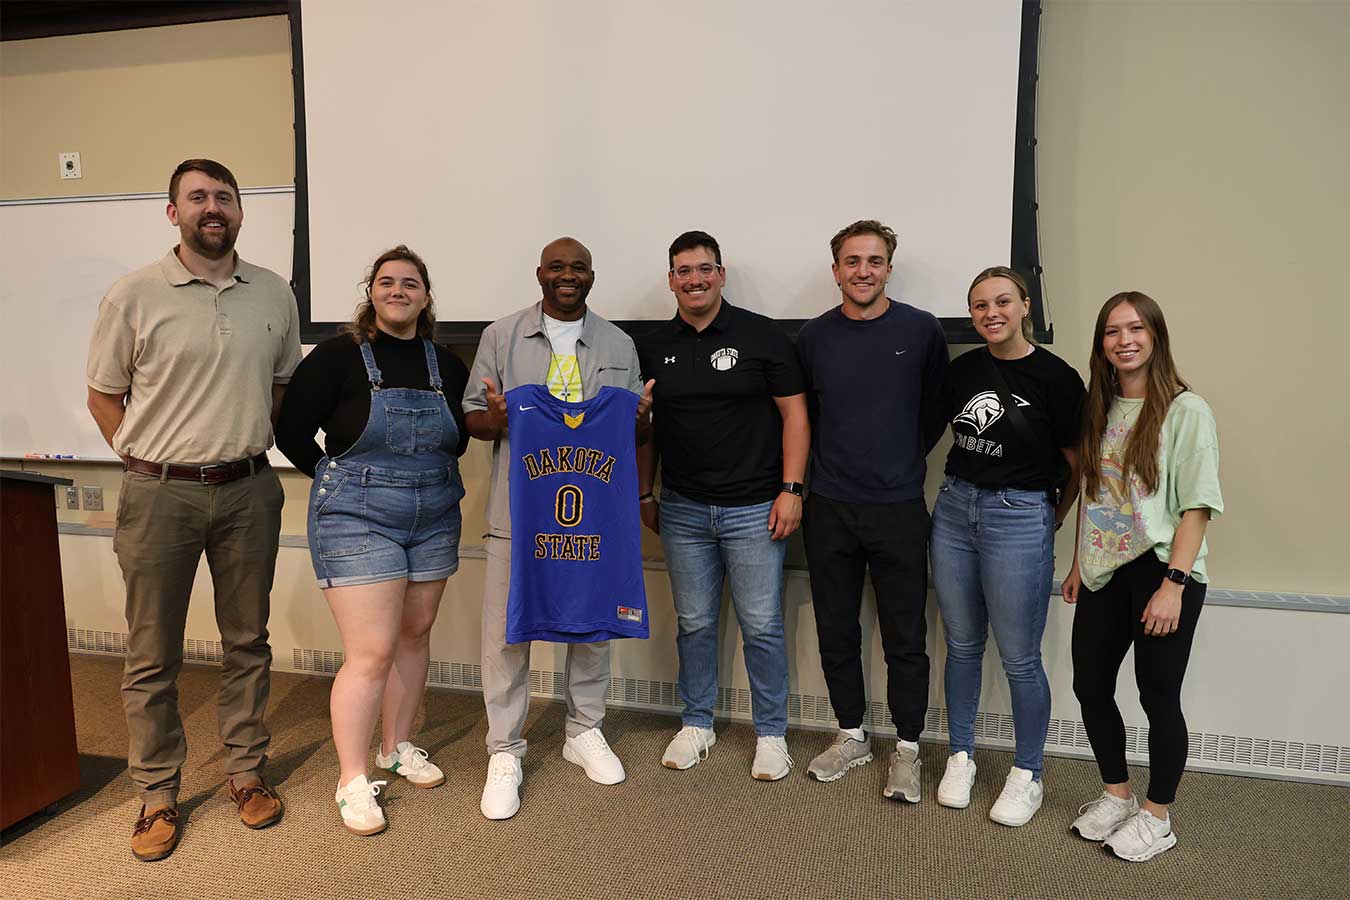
[1176, 576]
[795, 488]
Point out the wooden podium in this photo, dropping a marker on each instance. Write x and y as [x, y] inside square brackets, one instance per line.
[38, 761]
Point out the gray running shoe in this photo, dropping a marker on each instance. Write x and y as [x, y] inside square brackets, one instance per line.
[902, 781]
[842, 755]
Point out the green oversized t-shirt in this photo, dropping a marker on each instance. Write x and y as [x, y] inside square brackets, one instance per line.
[1123, 522]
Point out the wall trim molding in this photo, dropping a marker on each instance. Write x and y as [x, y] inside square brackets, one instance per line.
[143, 195]
[1242, 755]
[1284, 600]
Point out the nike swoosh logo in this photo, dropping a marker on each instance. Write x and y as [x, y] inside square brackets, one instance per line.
[901, 352]
[523, 408]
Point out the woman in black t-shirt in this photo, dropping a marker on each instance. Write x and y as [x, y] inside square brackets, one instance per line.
[384, 518]
[1015, 410]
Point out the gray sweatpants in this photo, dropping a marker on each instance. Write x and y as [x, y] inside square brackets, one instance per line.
[506, 667]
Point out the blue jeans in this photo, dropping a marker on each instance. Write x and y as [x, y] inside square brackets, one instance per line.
[703, 543]
[993, 564]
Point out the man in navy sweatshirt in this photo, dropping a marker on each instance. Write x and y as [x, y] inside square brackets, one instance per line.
[873, 370]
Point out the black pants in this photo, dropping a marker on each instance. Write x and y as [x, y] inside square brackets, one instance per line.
[1105, 625]
[890, 539]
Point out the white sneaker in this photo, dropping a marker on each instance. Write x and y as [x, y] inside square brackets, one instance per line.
[1142, 837]
[410, 762]
[954, 788]
[1020, 799]
[688, 748]
[356, 802]
[591, 751]
[1098, 818]
[501, 793]
[772, 761]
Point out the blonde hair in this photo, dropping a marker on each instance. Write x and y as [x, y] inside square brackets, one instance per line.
[1028, 327]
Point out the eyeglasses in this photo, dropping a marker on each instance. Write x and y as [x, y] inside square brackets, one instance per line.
[684, 273]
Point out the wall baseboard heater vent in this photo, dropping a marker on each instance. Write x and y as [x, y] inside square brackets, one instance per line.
[1262, 757]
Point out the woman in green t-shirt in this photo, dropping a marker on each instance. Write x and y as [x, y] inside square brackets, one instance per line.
[1150, 485]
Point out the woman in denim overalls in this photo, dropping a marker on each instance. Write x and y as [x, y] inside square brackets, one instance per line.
[384, 526]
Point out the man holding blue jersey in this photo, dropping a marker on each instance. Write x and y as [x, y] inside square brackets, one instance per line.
[559, 343]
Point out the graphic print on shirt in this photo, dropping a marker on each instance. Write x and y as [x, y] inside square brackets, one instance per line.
[576, 557]
[980, 412]
[724, 359]
[1113, 518]
[564, 377]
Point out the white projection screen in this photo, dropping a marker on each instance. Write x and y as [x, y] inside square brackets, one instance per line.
[477, 131]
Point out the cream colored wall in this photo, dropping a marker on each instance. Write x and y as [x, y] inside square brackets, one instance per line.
[1196, 152]
[1188, 150]
[135, 103]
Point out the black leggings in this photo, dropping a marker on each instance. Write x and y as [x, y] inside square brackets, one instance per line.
[1105, 625]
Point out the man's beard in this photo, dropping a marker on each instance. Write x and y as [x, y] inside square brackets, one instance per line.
[212, 244]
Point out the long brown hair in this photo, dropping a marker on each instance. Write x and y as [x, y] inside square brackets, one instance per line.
[1164, 383]
[362, 326]
[1028, 328]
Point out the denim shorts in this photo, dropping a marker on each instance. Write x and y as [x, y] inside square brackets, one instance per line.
[368, 524]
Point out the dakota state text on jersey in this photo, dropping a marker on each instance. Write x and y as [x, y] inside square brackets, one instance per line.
[576, 550]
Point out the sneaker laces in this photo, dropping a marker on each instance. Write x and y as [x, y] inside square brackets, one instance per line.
[1015, 790]
[779, 746]
[361, 801]
[414, 758]
[957, 772]
[697, 739]
[1139, 830]
[1100, 803]
[594, 741]
[501, 771]
[842, 739]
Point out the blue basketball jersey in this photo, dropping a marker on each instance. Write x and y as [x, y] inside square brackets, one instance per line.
[576, 544]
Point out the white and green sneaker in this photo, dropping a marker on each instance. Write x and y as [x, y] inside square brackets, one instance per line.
[411, 763]
[356, 802]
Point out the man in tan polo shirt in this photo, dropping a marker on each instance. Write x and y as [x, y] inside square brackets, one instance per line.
[187, 365]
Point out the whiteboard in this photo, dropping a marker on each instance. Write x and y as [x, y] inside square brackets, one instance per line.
[58, 259]
[477, 131]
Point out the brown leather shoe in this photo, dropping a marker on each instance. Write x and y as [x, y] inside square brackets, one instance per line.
[259, 806]
[155, 834]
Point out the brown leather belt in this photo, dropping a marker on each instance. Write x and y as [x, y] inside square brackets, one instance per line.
[217, 473]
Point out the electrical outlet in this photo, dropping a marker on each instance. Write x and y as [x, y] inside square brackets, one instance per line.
[70, 165]
[72, 497]
[93, 497]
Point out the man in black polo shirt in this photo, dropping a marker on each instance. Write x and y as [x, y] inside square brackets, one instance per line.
[874, 370]
[732, 435]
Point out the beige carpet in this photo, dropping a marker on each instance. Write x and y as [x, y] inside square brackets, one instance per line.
[709, 832]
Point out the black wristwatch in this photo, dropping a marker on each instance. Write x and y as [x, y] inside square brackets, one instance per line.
[1176, 576]
[795, 488]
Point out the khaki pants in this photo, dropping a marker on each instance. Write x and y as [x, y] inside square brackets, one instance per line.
[506, 667]
[162, 529]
